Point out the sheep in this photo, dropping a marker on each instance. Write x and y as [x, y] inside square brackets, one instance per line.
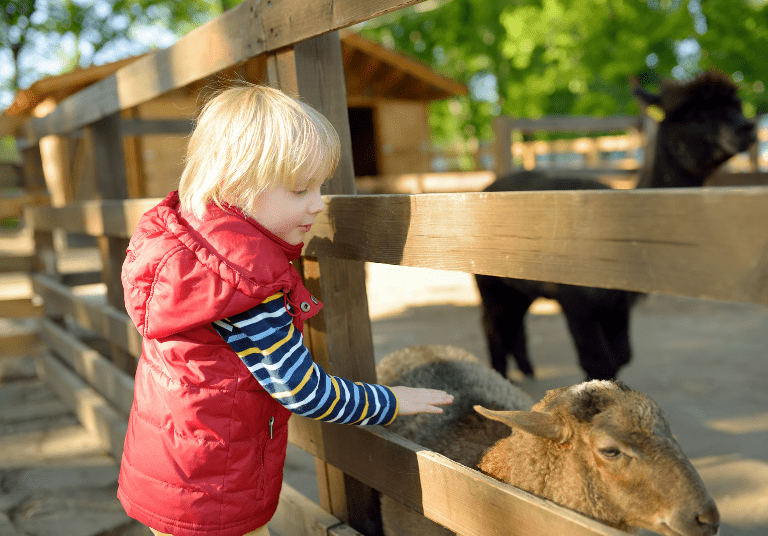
[598, 447]
[702, 127]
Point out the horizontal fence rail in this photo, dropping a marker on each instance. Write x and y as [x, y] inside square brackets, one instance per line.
[573, 123]
[701, 243]
[97, 316]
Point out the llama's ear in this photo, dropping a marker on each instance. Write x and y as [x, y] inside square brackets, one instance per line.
[646, 98]
[534, 422]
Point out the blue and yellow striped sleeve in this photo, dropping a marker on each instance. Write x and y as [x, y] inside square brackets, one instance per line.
[266, 340]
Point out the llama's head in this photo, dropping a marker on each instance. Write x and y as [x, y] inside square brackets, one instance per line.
[609, 454]
[701, 126]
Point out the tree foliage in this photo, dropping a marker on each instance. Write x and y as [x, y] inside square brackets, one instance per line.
[736, 41]
[523, 58]
[529, 58]
[46, 37]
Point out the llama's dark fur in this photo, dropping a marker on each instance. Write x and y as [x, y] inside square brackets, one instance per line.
[703, 126]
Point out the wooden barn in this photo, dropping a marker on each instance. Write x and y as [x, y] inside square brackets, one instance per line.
[388, 96]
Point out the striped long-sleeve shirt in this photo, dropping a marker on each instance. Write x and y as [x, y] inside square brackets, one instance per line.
[265, 338]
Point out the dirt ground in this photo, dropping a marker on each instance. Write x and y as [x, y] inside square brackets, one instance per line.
[705, 362]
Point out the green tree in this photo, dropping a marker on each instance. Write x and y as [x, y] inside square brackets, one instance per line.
[13, 31]
[86, 32]
[528, 58]
[735, 40]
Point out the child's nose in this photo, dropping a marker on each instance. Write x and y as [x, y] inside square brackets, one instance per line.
[317, 205]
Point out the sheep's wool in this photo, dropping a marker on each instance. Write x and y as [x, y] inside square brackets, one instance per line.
[593, 384]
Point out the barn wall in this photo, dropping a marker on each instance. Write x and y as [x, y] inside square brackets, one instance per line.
[402, 129]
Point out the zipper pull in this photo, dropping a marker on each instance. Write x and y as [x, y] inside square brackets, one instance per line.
[271, 422]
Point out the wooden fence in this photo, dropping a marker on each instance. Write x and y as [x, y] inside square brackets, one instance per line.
[709, 243]
[616, 159]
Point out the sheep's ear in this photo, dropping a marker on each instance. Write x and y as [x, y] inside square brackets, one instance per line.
[533, 422]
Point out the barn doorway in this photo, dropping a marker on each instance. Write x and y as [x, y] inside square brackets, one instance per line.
[362, 131]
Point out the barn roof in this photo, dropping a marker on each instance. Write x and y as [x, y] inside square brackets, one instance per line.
[377, 72]
[371, 72]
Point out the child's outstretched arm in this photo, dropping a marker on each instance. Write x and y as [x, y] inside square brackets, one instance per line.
[273, 350]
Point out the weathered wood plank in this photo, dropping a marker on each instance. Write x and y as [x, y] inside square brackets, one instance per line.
[247, 30]
[106, 142]
[462, 499]
[575, 123]
[298, 516]
[92, 410]
[32, 166]
[113, 325]
[12, 206]
[702, 243]
[104, 377]
[16, 263]
[18, 344]
[112, 217]
[20, 308]
[502, 130]
[148, 127]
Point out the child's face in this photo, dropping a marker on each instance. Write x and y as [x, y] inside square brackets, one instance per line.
[288, 213]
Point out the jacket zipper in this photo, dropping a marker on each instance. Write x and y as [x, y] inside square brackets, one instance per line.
[264, 451]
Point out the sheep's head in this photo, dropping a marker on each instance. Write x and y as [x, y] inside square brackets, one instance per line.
[610, 454]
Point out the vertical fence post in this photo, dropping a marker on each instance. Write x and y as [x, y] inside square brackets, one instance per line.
[650, 129]
[348, 343]
[502, 128]
[44, 261]
[339, 338]
[136, 179]
[106, 141]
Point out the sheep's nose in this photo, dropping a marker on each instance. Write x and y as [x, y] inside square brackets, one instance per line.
[709, 521]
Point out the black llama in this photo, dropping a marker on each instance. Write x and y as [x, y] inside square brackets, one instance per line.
[703, 126]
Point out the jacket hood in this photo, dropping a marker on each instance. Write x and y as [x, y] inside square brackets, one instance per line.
[182, 272]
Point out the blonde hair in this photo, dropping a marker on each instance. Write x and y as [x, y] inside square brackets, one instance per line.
[250, 138]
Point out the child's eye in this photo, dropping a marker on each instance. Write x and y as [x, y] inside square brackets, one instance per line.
[299, 192]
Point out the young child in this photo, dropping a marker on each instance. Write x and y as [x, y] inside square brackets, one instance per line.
[209, 284]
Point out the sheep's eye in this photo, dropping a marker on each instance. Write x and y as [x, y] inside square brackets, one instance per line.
[610, 452]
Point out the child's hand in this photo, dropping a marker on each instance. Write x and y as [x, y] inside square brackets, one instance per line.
[417, 400]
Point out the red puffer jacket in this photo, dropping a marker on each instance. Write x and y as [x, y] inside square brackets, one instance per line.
[206, 444]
